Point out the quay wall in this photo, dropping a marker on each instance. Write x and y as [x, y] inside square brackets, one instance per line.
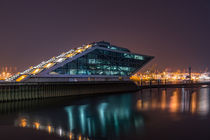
[29, 91]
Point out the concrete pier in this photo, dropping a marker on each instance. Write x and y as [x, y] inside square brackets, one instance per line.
[18, 91]
[29, 91]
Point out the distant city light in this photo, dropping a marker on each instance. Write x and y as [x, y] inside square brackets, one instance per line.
[171, 76]
[5, 75]
[6, 72]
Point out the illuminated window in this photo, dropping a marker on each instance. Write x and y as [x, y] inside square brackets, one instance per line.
[91, 61]
[138, 57]
[79, 50]
[87, 46]
[36, 71]
[21, 78]
[70, 55]
[60, 60]
[49, 65]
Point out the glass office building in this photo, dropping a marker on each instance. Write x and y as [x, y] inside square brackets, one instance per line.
[95, 59]
[104, 62]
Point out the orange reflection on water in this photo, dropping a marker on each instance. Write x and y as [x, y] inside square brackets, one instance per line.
[23, 122]
[203, 104]
[193, 102]
[80, 138]
[163, 100]
[146, 105]
[70, 135]
[174, 102]
[49, 128]
[139, 104]
[154, 102]
[37, 125]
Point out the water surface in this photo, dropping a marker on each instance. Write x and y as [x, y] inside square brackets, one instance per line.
[148, 114]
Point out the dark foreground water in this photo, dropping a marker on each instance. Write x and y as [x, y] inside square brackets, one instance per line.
[163, 114]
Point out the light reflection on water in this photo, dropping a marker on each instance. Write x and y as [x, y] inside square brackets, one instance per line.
[112, 116]
[195, 101]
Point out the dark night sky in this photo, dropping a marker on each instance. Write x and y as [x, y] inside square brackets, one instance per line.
[176, 32]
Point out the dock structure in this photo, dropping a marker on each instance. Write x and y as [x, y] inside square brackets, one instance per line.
[39, 90]
[33, 90]
[94, 68]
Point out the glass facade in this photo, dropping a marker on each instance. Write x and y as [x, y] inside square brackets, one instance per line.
[103, 62]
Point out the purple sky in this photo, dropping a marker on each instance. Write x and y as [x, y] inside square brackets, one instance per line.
[176, 32]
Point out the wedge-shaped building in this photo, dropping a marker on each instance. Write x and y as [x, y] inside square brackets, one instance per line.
[95, 61]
